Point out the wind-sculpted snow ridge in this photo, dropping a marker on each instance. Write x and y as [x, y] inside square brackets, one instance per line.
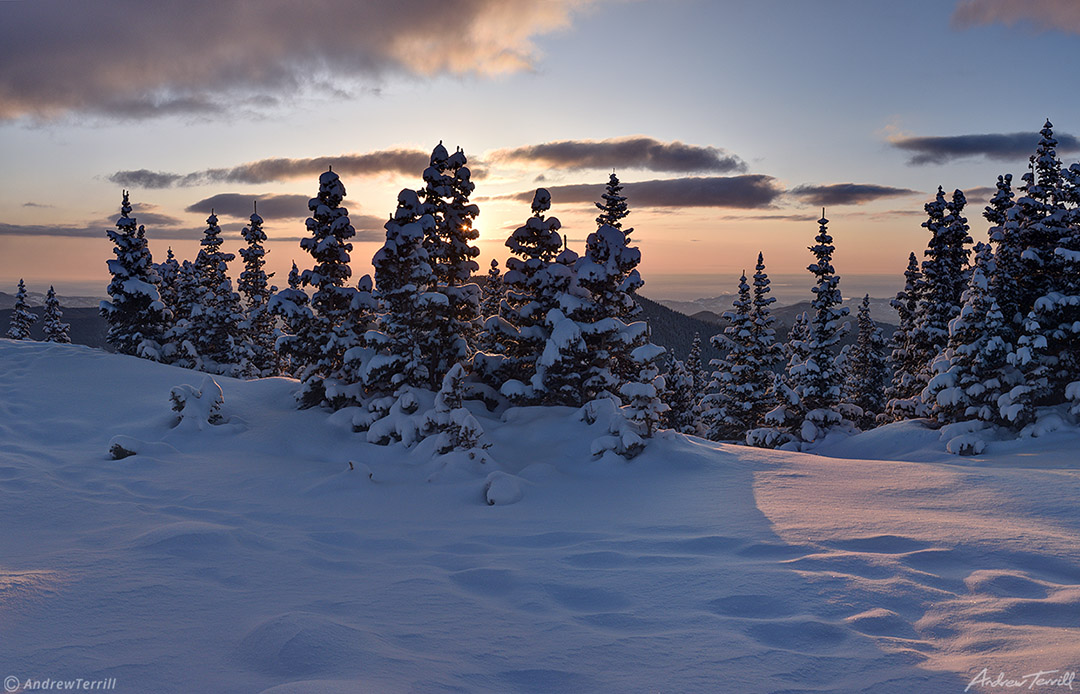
[278, 551]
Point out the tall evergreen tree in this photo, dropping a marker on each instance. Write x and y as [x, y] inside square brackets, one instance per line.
[726, 408]
[627, 279]
[216, 314]
[534, 283]
[56, 330]
[21, 317]
[406, 291]
[136, 315]
[973, 373]
[682, 400]
[321, 345]
[695, 369]
[743, 390]
[1007, 251]
[815, 378]
[866, 369]
[253, 285]
[451, 251]
[904, 359]
[607, 272]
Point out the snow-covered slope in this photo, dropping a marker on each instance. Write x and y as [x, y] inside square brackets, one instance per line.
[248, 557]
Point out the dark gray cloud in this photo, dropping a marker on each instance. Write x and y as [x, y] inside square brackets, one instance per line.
[282, 207]
[640, 152]
[1016, 147]
[239, 206]
[134, 59]
[409, 162]
[750, 191]
[1043, 15]
[980, 195]
[846, 193]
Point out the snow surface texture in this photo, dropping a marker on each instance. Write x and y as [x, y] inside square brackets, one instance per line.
[246, 556]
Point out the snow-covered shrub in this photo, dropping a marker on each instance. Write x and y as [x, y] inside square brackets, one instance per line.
[457, 428]
[197, 407]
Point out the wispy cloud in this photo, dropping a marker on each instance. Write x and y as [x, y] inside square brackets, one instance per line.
[750, 191]
[1002, 146]
[1043, 15]
[129, 59]
[846, 193]
[406, 162]
[638, 152]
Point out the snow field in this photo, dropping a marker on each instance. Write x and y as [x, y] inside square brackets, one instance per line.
[248, 557]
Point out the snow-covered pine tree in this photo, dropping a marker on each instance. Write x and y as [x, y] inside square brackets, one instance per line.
[682, 399]
[900, 396]
[534, 283]
[168, 279]
[1004, 237]
[259, 325]
[216, 314]
[560, 375]
[136, 315]
[743, 388]
[866, 370]
[779, 422]
[494, 290]
[291, 305]
[451, 251]
[1040, 220]
[608, 273]
[1049, 346]
[767, 353]
[56, 330]
[816, 379]
[973, 373]
[333, 328]
[21, 317]
[178, 342]
[725, 407]
[613, 209]
[405, 288]
[695, 369]
[644, 408]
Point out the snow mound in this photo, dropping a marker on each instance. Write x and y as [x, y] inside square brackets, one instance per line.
[298, 644]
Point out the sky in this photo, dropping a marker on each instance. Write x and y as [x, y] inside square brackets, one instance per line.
[730, 123]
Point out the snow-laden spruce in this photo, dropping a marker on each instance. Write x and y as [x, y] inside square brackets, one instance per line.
[865, 371]
[904, 358]
[259, 324]
[973, 377]
[136, 315]
[450, 245]
[534, 283]
[53, 325]
[337, 321]
[215, 315]
[743, 388]
[810, 404]
[394, 357]
[21, 316]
